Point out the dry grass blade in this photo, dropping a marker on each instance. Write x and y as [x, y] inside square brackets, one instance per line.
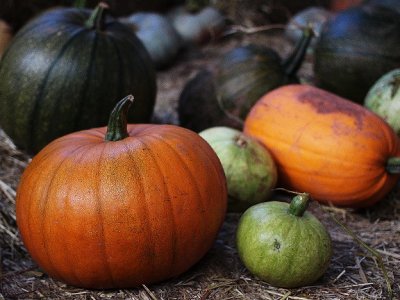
[371, 250]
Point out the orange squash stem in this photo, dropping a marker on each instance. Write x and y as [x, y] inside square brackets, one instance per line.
[117, 123]
[393, 165]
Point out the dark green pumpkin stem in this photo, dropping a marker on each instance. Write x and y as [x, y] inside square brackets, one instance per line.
[117, 124]
[294, 61]
[299, 204]
[97, 18]
[393, 165]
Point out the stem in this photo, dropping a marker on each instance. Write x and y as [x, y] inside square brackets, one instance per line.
[97, 18]
[299, 204]
[79, 3]
[294, 61]
[240, 141]
[393, 165]
[117, 123]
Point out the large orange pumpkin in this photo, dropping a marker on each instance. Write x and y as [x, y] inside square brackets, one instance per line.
[334, 149]
[137, 205]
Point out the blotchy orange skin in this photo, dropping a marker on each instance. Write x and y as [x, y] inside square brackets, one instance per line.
[101, 214]
[332, 148]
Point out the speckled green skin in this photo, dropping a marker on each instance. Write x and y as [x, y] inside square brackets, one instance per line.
[60, 76]
[384, 99]
[249, 168]
[280, 248]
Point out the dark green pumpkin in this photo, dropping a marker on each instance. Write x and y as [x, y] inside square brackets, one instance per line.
[224, 96]
[392, 4]
[63, 73]
[356, 48]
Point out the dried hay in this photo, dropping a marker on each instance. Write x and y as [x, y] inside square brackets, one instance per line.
[353, 273]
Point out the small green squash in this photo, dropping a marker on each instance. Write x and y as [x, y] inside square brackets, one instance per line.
[283, 244]
[250, 171]
[384, 99]
[224, 96]
[65, 70]
[356, 48]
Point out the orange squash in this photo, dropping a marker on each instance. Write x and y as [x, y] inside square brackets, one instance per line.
[334, 149]
[133, 205]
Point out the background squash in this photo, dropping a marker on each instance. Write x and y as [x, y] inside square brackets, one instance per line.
[384, 99]
[359, 44]
[65, 70]
[224, 96]
[334, 149]
[157, 34]
[145, 203]
[197, 27]
[249, 168]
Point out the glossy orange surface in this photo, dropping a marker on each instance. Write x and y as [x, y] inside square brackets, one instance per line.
[332, 148]
[104, 214]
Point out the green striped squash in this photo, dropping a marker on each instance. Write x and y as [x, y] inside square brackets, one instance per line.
[65, 71]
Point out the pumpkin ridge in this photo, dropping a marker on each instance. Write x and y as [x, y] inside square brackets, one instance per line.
[185, 167]
[202, 202]
[67, 257]
[220, 174]
[149, 235]
[34, 114]
[100, 213]
[5, 65]
[85, 85]
[44, 209]
[144, 70]
[313, 224]
[120, 69]
[174, 234]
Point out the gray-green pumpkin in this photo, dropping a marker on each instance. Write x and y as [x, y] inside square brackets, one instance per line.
[283, 244]
[249, 168]
[157, 34]
[384, 99]
[65, 70]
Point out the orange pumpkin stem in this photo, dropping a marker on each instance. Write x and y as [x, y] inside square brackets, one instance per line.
[97, 18]
[393, 165]
[294, 61]
[117, 123]
[299, 204]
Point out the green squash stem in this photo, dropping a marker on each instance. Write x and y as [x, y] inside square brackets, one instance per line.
[299, 204]
[294, 61]
[393, 165]
[97, 18]
[117, 123]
